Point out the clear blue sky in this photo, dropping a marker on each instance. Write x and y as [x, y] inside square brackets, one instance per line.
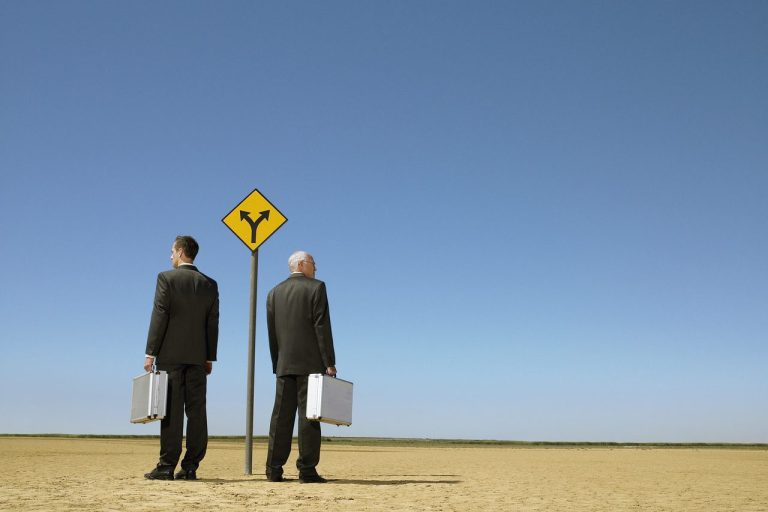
[536, 220]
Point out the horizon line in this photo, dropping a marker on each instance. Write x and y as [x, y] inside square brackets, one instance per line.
[426, 440]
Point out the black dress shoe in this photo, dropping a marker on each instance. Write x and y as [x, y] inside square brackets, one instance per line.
[186, 474]
[313, 479]
[277, 478]
[159, 474]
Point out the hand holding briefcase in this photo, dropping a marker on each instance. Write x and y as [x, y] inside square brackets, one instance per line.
[150, 395]
[329, 399]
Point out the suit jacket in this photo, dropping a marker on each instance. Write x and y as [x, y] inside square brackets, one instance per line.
[185, 318]
[299, 325]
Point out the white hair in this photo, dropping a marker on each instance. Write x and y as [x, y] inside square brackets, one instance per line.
[296, 258]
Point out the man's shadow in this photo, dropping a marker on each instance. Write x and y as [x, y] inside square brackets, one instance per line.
[392, 482]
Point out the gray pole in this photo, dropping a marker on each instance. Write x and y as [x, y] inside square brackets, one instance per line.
[251, 361]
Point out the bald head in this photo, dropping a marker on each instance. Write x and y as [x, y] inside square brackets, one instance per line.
[303, 262]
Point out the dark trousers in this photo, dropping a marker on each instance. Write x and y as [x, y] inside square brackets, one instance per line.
[290, 394]
[186, 393]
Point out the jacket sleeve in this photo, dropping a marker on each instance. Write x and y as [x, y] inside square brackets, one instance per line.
[212, 328]
[158, 324]
[271, 330]
[321, 317]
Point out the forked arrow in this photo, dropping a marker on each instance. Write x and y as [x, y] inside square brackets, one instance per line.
[253, 223]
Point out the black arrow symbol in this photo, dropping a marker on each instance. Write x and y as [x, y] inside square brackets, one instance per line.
[254, 223]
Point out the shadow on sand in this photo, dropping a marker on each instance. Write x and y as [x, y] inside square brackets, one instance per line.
[400, 481]
[392, 482]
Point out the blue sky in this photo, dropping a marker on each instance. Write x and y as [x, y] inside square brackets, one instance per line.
[536, 220]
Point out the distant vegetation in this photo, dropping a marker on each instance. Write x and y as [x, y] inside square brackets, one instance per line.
[420, 442]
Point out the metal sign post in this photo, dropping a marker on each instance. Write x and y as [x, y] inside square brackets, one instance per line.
[253, 233]
[251, 365]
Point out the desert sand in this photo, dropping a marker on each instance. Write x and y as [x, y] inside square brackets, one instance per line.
[107, 474]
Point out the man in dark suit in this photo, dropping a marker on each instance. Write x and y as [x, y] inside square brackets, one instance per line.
[183, 334]
[300, 343]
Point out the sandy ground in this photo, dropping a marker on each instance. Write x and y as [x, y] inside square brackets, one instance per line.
[107, 474]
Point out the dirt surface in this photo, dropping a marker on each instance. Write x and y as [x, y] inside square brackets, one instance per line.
[107, 474]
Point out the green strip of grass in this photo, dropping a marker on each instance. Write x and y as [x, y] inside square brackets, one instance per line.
[420, 442]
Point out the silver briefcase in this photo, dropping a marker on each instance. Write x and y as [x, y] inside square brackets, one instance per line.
[150, 395]
[329, 399]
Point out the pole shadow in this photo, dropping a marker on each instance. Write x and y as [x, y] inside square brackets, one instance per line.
[227, 480]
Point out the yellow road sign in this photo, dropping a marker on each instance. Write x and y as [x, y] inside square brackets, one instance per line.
[254, 220]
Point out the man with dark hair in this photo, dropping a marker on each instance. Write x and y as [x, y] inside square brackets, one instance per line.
[300, 343]
[188, 246]
[182, 340]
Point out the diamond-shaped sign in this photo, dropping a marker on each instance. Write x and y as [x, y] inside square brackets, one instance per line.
[254, 220]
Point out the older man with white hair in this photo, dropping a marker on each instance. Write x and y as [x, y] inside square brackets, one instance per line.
[301, 343]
